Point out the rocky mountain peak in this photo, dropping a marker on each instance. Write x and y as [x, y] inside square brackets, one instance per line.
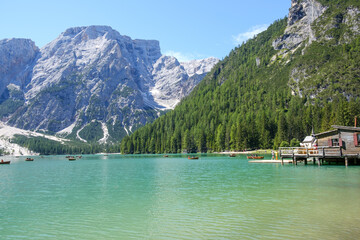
[309, 9]
[301, 16]
[174, 80]
[16, 51]
[94, 78]
[16, 59]
[200, 66]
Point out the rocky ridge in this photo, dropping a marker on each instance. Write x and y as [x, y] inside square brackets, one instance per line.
[175, 80]
[91, 75]
[301, 16]
[311, 22]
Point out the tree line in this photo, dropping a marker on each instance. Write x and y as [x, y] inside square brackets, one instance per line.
[249, 101]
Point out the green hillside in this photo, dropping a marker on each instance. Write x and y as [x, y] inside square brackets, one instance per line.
[252, 99]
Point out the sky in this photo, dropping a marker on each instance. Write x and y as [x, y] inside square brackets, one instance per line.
[186, 29]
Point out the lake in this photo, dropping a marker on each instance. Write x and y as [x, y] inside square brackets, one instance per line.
[152, 197]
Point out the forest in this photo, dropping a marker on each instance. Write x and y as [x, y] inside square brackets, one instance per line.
[255, 98]
[46, 146]
[250, 100]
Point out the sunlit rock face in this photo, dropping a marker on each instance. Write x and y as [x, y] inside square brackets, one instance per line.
[92, 74]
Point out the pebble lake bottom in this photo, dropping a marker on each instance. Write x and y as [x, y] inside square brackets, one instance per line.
[152, 197]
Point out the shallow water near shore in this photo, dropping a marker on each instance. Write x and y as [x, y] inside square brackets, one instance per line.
[152, 197]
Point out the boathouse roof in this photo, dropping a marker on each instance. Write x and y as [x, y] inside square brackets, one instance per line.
[355, 129]
[326, 133]
[336, 130]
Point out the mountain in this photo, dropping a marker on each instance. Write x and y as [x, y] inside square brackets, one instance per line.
[302, 73]
[91, 83]
[175, 80]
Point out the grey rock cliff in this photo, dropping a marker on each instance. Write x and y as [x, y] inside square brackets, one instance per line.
[301, 15]
[175, 80]
[17, 57]
[92, 74]
[310, 22]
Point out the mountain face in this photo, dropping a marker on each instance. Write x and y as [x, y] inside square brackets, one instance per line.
[91, 83]
[175, 80]
[302, 73]
[16, 58]
[301, 16]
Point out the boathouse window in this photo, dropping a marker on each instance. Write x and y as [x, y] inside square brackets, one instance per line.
[335, 142]
[357, 139]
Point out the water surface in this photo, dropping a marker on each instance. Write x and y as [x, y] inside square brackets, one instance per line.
[151, 197]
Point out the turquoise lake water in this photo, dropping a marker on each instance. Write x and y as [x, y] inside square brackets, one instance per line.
[151, 197]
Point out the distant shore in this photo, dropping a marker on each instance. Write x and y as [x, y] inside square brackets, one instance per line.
[259, 151]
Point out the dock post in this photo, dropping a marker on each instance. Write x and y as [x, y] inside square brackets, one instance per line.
[319, 162]
[305, 161]
[282, 161]
[346, 161]
[295, 161]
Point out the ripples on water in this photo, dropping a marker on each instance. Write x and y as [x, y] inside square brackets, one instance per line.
[150, 197]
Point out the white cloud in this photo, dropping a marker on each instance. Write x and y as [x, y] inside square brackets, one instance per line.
[253, 31]
[183, 57]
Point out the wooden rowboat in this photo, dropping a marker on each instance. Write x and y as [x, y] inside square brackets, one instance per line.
[4, 162]
[255, 157]
[29, 159]
[71, 158]
[193, 158]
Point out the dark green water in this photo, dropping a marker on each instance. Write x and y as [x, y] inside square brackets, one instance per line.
[151, 197]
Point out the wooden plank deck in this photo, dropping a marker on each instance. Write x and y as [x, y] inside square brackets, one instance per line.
[269, 161]
[302, 152]
[319, 155]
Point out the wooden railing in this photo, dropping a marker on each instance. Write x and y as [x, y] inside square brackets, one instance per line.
[310, 152]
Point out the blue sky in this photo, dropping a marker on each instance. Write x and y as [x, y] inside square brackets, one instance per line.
[188, 29]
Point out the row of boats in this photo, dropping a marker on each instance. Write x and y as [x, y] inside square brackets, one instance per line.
[189, 157]
[70, 158]
[73, 158]
[8, 162]
[231, 155]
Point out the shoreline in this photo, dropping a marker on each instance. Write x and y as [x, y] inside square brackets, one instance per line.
[259, 151]
[270, 161]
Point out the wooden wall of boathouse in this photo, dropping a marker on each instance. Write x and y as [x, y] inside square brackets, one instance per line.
[345, 137]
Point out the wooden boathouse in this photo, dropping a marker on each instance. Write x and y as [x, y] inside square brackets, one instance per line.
[339, 145]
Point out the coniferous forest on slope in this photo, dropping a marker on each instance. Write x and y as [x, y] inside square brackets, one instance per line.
[251, 99]
[244, 105]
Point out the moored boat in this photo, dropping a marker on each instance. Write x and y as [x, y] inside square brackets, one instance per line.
[255, 157]
[71, 158]
[232, 155]
[193, 158]
[166, 156]
[29, 159]
[4, 162]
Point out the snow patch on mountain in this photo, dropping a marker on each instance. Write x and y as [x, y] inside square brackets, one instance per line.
[67, 130]
[7, 133]
[106, 133]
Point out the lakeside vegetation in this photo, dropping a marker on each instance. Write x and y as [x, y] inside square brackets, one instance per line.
[46, 146]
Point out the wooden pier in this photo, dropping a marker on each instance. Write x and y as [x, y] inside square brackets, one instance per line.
[318, 155]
